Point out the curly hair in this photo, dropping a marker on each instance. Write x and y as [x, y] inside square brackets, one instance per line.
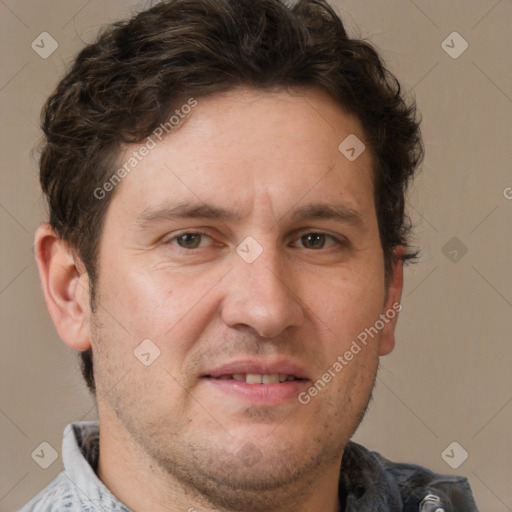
[124, 85]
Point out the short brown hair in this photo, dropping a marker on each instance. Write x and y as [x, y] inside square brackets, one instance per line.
[124, 85]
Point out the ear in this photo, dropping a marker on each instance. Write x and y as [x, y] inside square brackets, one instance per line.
[65, 286]
[392, 304]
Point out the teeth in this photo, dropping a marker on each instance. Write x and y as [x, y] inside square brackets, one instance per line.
[256, 378]
[270, 379]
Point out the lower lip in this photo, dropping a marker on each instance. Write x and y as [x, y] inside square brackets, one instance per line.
[260, 394]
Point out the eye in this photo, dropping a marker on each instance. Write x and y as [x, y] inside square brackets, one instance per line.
[189, 240]
[317, 241]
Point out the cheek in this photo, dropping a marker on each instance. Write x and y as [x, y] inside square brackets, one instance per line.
[170, 309]
[352, 306]
[348, 304]
[148, 302]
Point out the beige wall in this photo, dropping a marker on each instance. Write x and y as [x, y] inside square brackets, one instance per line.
[449, 378]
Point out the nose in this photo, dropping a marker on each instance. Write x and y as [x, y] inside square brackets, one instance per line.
[260, 295]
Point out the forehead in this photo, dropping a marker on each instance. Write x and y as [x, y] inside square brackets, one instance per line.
[244, 144]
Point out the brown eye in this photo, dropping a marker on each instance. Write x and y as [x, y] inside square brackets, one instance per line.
[313, 240]
[189, 240]
[317, 241]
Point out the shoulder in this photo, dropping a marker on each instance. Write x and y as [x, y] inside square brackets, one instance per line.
[63, 495]
[418, 488]
[57, 496]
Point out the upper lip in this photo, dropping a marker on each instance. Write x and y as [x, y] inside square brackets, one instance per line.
[261, 367]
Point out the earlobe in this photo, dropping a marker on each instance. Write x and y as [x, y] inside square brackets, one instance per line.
[392, 306]
[65, 286]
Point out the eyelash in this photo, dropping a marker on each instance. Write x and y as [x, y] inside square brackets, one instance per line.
[339, 242]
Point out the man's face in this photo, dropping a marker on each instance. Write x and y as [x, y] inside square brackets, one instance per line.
[244, 243]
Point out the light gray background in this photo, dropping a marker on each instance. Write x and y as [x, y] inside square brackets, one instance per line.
[449, 378]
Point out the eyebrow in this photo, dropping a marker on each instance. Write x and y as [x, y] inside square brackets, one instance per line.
[337, 212]
[164, 213]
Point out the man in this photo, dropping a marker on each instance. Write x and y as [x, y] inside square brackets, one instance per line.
[226, 184]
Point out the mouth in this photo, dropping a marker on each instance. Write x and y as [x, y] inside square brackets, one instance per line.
[258, 383]
[257, 378]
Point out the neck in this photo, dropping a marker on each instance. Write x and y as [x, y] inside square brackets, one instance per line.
[139, 483]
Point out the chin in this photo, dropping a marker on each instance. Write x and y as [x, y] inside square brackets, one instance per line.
[251, 475]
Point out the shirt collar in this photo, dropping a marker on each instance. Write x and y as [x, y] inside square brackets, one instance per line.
[80, 453]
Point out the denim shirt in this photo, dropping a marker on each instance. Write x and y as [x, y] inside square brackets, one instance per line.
[368, 482]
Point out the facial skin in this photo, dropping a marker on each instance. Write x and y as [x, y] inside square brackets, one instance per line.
[171, 438]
